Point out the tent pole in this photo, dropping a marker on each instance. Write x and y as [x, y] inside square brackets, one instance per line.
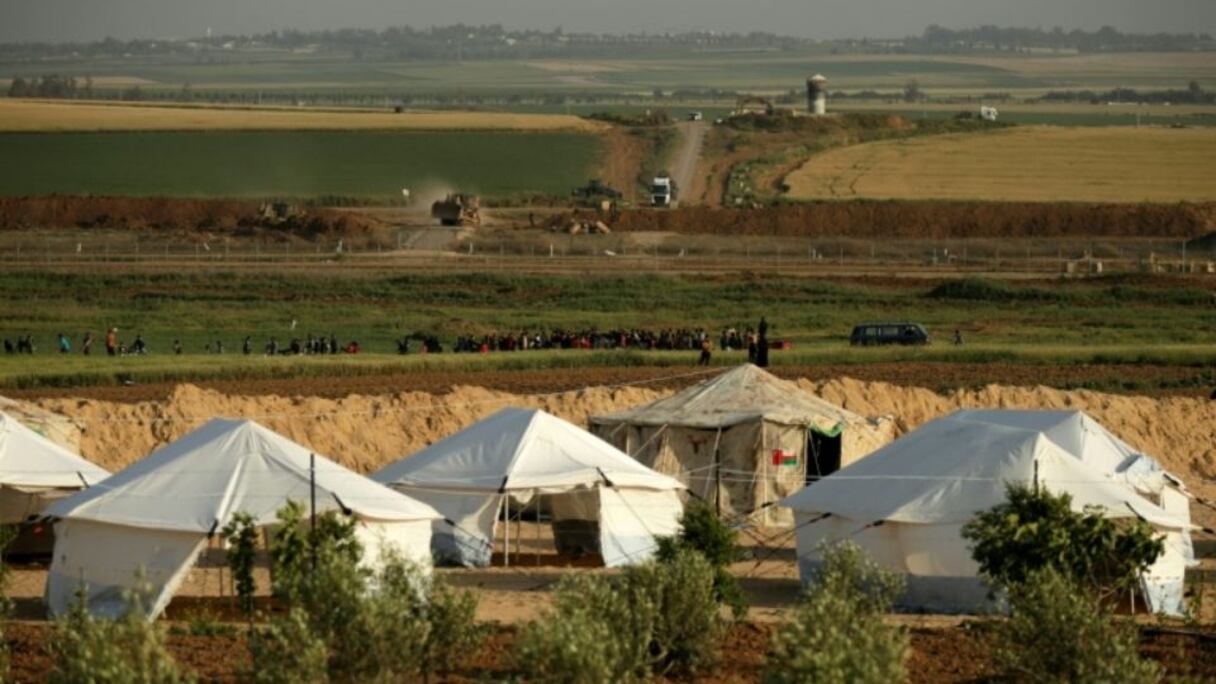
[718, 473]
[506, 530]
[312, 509]
[536, 498]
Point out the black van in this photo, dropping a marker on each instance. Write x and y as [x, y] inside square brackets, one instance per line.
[868, 334]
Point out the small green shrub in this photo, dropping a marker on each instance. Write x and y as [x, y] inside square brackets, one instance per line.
[837, 633]
[701, 530]
[594, 635]
[654, 618]
[1035, 529]
[242, 537]
[286, 651]
[1059, 631]
[127, 650]
[204, 623]
[688, 626]
[390, 625]
[452, 633]
[7, 534]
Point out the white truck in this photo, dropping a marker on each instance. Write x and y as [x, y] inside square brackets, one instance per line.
[663, 191]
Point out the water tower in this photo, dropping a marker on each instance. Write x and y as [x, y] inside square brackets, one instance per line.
[817, 95]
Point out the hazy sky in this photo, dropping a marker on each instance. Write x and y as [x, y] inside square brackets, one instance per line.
[56, 20]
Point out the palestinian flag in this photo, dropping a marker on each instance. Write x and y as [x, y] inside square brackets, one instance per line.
[784, 458]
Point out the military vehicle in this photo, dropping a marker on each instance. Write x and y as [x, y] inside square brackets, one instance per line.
[457, 209]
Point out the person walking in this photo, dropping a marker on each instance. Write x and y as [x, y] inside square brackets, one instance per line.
[112, 342]
[86, 344]
[762, 344]
[706, 353]
[65, 345]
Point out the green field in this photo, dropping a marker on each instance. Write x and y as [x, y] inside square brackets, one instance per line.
[365, 164]
[1103, 320]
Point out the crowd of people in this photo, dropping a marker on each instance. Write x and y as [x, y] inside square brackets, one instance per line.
[623, 338]
[667, 339]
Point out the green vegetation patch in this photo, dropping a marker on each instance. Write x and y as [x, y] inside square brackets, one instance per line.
[369, 164]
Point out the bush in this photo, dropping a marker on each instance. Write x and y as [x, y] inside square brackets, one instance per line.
[654, 618]
[391, 625]
[838, 633]
[241, 536]
[1059, 631]
[452, 632]
[701, 530]
[1035, 529]
[594, 635]
[129, 649]
[287, 652]
[7, 534]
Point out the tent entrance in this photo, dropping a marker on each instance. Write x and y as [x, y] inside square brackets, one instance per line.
[822, 454]
[556, 530]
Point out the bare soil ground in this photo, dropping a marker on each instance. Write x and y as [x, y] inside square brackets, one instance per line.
[948, 655]
[942, 377]
[858, 219]
[934, 219]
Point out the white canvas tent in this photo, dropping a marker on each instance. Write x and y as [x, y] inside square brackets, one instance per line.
[35, 471]
[517, 454]
[156, 515]
[744, 439]
[906, 503]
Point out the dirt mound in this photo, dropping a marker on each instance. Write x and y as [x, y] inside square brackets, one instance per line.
[366, 432]
[211, 216]
[933, 220]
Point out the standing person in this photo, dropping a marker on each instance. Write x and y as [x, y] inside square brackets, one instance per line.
[958, 337]
[65, 345]
[706, 354]
[247, 346]
[751, 346]
[177, 347]
[112, 342]
[762, 344]
[86, 345]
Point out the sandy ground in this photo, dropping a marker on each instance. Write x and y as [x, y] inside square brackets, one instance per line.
[366, 432]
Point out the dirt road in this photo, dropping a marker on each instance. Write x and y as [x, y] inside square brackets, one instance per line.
[684, 162]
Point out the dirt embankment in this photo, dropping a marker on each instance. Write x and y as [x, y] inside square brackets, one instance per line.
[366, 432]
[210, 217]
[934, 220]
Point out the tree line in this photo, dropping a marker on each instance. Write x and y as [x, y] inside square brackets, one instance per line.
[493, 42]
[1106, 39]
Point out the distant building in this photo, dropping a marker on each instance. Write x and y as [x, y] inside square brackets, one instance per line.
[817, 95]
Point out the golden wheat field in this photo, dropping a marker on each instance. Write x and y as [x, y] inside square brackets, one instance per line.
[1100, 164]
[37, 115]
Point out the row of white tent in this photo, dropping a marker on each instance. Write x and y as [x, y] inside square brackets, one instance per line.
[904, 503]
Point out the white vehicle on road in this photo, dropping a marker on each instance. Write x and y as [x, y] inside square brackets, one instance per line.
[663, 191]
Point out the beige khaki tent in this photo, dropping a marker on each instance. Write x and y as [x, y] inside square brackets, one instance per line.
[744, 440]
